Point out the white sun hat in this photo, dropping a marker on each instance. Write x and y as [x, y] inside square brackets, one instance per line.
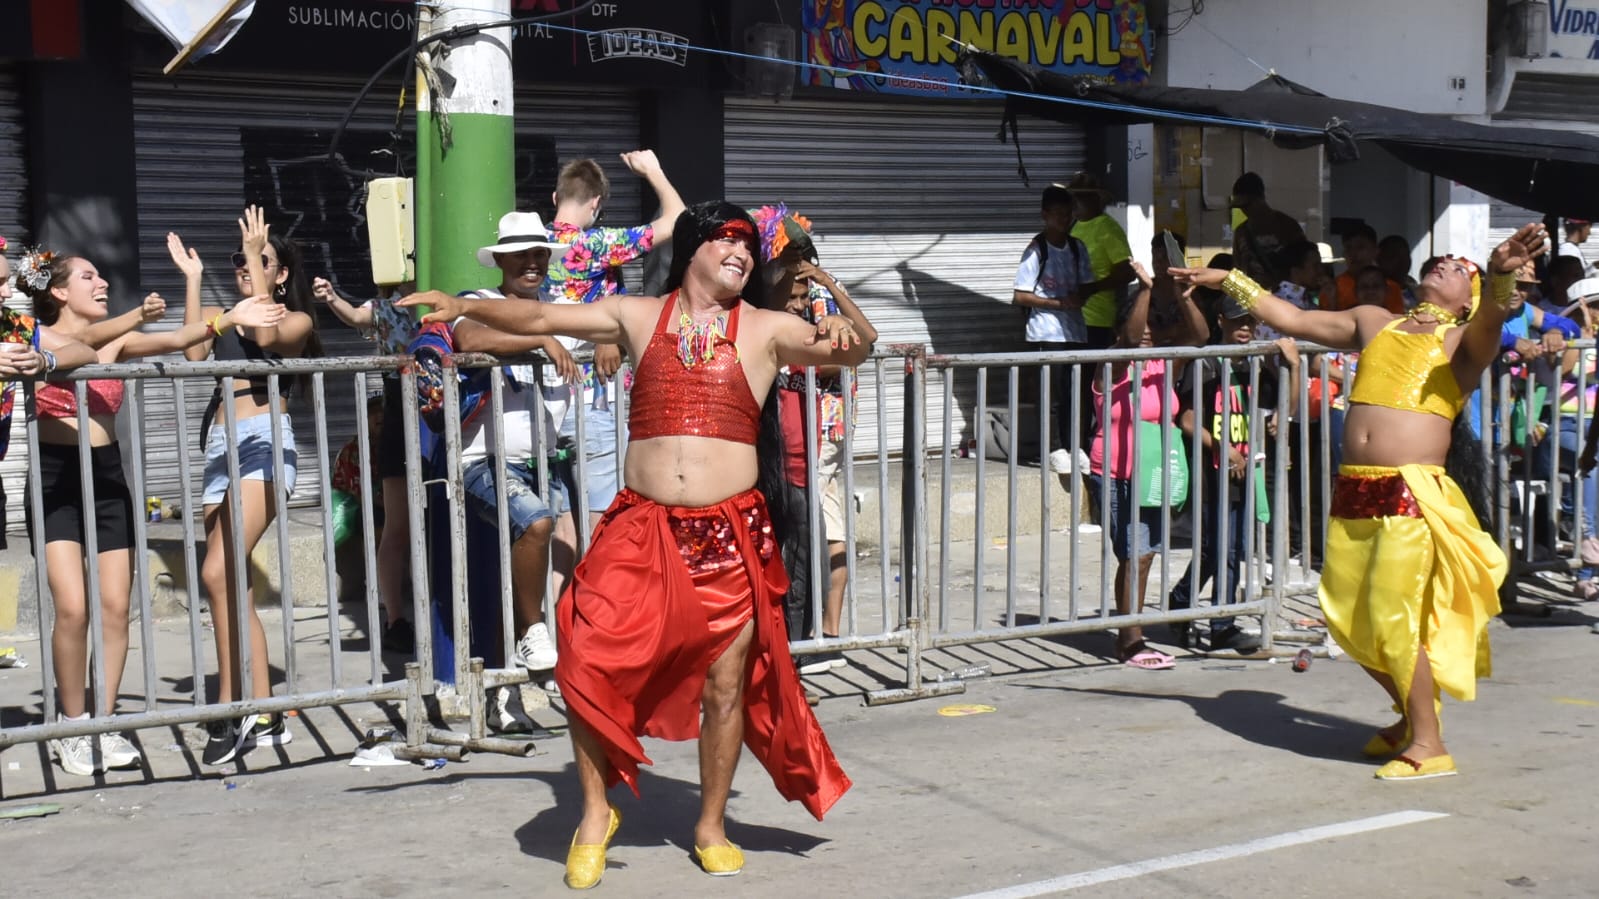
[518, 231]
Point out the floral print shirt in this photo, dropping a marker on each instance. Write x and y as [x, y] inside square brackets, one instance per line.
[15, 327]
[591, 269]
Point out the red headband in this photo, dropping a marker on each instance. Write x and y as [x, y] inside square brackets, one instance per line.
[738, 229]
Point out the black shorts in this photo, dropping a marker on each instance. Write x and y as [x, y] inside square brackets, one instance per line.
[391, 443]
[63, 496]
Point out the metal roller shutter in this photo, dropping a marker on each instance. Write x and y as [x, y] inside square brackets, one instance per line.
[918, 210]
[13, 226]
[207, 144]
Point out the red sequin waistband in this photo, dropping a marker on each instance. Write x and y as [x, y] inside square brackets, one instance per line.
[705, 534]
[1357, 496]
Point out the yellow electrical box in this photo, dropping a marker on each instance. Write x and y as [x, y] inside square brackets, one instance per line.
[391, 231]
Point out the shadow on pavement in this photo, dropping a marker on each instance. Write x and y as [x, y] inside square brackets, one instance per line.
[1262, 718]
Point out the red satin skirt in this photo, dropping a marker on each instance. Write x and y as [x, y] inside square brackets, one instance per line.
[661, 594]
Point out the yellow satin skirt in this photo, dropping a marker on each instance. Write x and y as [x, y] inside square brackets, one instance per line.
[1408, 566]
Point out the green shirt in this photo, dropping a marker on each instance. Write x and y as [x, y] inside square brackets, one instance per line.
[1107, 245]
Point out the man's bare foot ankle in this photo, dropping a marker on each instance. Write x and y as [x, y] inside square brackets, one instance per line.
[1395, 733]
[706, 837]
[1420, 752]
[591, 830]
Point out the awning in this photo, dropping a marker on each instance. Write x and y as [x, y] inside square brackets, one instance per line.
[1554, 172]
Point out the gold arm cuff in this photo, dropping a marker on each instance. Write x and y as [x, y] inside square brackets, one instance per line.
[1242, 289]
[1503, 287]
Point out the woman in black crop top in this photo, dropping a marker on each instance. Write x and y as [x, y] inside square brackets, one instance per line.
[267, 264]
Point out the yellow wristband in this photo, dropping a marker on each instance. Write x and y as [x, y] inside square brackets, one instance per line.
[1503, 286]
[215, 325]
[1242, 289]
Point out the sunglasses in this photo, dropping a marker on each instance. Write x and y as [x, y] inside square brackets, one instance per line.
[239, 261]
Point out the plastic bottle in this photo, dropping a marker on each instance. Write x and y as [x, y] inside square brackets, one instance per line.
[970, 672]
[1302, 660]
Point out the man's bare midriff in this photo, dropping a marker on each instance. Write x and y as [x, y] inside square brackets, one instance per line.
[1377, 435]
[102, 430]
[689, 471]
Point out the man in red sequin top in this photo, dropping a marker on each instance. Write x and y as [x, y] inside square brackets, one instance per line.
[676, 611]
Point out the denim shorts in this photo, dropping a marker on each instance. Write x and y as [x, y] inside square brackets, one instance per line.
[599, 478]
[524, 506]
[255, 455]
[1126, 522]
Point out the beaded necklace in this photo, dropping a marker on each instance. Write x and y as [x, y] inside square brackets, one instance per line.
[696, 340]
[1444, 316]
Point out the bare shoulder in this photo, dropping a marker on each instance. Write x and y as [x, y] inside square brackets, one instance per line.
[637, 312]
[1370, 320]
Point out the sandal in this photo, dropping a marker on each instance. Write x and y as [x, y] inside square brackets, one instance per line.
[1139, 655]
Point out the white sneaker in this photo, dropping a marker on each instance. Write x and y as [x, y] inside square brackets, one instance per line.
[505, 712]
[117, 752]
[76, 755]
[536, 651]
[1060, 461]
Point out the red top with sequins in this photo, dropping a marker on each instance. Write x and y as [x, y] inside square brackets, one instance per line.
[710, 398]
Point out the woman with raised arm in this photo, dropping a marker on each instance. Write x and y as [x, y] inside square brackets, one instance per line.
[267, 264]
[1411, 578]
[676, 612]
[70, 296]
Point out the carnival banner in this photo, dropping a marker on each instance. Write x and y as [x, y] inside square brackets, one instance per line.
[1573, 30]
[909, 46]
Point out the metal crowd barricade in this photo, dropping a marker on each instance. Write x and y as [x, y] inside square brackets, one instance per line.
[996, 618]
[1539, 450]
[890, 601]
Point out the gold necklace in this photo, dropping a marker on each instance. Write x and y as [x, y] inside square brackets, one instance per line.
[1444, 316]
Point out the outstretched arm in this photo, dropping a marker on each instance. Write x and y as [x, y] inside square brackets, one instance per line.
[69, 353]
[358, 317]
[832, 341]
[101, 333]
[597, 322]
[644, 164]
[1479, 345]
[252, 312]
[1335, 329]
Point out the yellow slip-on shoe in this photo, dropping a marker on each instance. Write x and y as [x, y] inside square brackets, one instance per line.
[720, 861]
[585, 864]
[1406, 768]
[1378, 746]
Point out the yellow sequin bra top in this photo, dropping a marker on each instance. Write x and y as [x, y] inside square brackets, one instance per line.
[1401, 370]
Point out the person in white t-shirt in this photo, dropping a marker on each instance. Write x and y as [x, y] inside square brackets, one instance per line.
[1576, 236]
[523, 256]
[1052, 269]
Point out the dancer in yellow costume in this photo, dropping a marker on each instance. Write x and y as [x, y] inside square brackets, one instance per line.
[1411, 579]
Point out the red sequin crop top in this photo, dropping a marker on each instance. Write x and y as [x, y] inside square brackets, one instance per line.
[710, 398]
[61, 400]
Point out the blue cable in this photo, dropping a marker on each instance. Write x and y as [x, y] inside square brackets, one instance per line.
[1249, 124]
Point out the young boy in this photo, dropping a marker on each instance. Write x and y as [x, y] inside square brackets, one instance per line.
[1222, 427]
[1053, 268]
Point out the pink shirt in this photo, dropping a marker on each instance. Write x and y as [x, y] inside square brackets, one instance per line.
[1121, 413]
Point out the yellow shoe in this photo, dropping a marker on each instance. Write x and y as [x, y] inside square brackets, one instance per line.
[1378, 746]
[585, 864]
[720, 861]
[1406, 768]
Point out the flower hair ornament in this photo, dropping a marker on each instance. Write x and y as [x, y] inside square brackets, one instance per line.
[34, 269]
[777, 227]
[2, 243]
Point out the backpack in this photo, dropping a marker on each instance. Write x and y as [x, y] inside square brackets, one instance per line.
[432, 348]
[1073, 246]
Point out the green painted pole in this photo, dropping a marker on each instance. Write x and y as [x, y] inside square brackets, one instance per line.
[466, 143]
